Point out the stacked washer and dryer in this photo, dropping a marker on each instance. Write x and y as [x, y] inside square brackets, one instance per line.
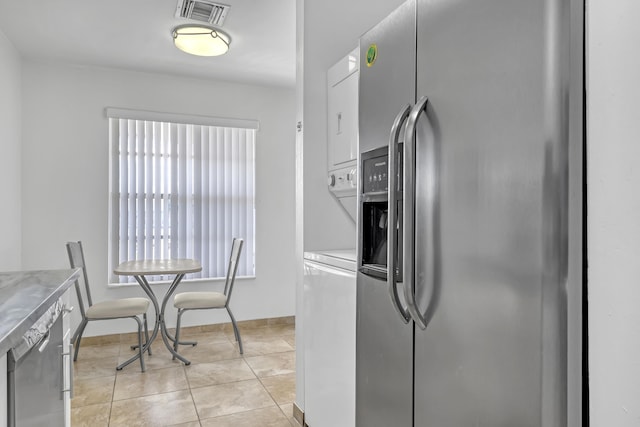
[330, 275]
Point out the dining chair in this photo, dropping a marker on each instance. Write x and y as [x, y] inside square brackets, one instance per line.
[211, 300]
[105, 310]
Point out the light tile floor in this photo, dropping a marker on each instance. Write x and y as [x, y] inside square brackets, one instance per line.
[220, 388]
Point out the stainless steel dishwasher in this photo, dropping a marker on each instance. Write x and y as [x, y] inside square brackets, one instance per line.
[36, 380]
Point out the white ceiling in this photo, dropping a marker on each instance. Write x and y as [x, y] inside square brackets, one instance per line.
[136, 35]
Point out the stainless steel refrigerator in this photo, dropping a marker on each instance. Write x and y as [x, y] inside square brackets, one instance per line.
[471, 193]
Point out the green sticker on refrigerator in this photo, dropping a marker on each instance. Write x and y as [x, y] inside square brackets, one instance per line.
[372, 55]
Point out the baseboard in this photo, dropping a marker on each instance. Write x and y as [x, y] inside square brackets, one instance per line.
[243, 324]
[298, 415]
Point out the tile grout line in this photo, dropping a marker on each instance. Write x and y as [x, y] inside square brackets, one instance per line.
[193, 400]
[115, 379]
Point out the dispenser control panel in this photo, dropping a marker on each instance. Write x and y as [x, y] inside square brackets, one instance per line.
[374, 175]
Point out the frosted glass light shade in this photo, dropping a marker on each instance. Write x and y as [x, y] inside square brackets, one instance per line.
[201, 40]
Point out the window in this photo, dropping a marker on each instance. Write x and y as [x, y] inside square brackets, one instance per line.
[181, 188]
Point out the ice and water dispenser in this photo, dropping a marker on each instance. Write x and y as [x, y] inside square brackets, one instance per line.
[374, 213]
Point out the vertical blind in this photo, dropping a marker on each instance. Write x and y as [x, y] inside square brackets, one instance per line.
[181, 190]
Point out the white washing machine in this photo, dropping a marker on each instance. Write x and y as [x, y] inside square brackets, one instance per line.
[330, 338]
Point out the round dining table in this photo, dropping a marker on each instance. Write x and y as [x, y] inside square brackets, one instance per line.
[140, 270]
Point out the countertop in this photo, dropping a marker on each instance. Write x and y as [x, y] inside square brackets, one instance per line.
[25, 296]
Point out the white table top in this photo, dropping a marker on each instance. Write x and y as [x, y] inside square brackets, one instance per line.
[158, 266]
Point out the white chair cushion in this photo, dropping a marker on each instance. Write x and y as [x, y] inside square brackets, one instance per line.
[124, 307]
[197, 300]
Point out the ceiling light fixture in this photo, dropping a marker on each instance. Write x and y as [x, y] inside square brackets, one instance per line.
[201, 40]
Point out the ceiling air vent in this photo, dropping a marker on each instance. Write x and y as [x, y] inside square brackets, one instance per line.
[203, 10]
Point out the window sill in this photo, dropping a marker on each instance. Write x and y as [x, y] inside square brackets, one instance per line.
[168, 282]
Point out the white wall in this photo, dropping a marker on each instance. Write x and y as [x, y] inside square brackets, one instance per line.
[613, 155]
[10, 113]
[65, 176]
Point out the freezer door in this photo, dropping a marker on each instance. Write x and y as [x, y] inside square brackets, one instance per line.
[387, 75]
[491, 226]
[384, 342]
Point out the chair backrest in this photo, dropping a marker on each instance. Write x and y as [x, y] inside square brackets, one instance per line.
[236, 249]
[76, 260]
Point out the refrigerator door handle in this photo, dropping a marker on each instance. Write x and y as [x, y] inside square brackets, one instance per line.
[409, 186]
[392, 220]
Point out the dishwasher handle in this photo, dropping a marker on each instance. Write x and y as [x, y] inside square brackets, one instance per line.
[69, 387]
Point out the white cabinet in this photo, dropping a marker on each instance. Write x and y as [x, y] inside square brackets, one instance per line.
[329, 342]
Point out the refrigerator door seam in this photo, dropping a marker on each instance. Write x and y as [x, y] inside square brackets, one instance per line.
[409, 212]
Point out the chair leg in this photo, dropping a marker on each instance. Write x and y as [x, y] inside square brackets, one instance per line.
[177, 337]
[236, 331]
[140, 345]
[146, 333]
[78, 337]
